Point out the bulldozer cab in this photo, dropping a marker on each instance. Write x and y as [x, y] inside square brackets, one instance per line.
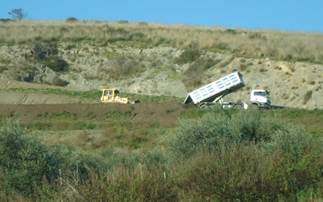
[110, 92]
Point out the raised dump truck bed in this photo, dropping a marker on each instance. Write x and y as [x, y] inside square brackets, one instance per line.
[216, 89]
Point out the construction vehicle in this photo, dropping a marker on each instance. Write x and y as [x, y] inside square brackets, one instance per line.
[214, 92]
[111, 95]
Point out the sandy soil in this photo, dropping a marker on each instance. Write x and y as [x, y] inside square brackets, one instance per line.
[34, 98]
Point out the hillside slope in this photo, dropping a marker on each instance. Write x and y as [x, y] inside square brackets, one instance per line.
[162, 60]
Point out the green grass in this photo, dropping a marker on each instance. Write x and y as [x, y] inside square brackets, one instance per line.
[217, 155]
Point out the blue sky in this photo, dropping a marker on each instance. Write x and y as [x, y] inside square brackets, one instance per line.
[290, 15]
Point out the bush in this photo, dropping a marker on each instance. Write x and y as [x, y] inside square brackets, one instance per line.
[246, 157]
[5, 20]
[59, 82]
[56, 63]
[123, 22]
[189, 54]
[71, 19]
[27, 165]
[235, 173]
[25, 162]
[42, 50]
[214, 130]
[208, 133]
[46, 53]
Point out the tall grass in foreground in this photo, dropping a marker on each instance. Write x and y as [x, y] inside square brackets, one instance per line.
[223, 156]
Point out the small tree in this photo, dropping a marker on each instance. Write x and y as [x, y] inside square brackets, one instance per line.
[17, 14]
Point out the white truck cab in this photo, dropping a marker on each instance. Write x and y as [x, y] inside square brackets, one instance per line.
[260, 98]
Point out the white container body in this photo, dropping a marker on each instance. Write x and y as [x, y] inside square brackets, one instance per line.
[216, 88]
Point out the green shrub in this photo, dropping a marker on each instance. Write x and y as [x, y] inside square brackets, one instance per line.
[24, 161]
[155, 158]
[59, 82]
[56, 63]
[5, 20]
[123, 22]
[208, 133]
[213, 130]
[235, 173]
[190, 54]
[246, 157]
[247, 173]
[46, 53]
[143, 23]
[252, 126]
[71, 19]
[42, 50]
[129, 161]
[231, 31]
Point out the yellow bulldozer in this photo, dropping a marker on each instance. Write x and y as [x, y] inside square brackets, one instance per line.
[111, 95]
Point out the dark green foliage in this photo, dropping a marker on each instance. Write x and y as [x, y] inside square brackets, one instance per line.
[26, 73]
[245, 172]
[56, 63]
[123, 21]
[42, 50]
[190, 54]
[59, 82]
[231, 31]
[46, 53]
[5, 20]
[207, 133]
[143, 23]
[247, 157]
[214, 130]
[71, 19]
[25, 162]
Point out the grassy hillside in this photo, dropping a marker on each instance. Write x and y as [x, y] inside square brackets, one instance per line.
[246, 43]
[154, 59]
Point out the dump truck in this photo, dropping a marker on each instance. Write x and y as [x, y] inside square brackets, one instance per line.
[111, 95]
[213, 93]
